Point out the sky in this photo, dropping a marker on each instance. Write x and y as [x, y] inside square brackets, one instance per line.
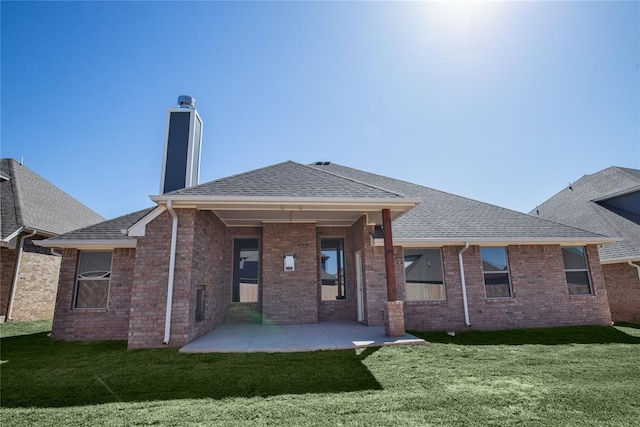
[503, 102]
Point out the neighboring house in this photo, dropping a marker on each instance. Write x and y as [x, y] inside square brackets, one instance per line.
[32, 208]
[293, 243]
[607, 202]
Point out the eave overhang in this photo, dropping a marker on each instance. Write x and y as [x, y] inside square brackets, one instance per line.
[622, 260]
[86, 244]
[237, 211]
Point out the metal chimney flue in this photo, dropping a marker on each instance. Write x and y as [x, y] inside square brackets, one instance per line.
[185, 101]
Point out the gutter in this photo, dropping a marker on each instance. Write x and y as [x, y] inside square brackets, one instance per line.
[636, 266]
[464, 284]
[172, 267]
[16, 276]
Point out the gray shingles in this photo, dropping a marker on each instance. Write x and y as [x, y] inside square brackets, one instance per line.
[107, 230]
[446, 216]
[288, 179]
[31, 201]
[574, 206]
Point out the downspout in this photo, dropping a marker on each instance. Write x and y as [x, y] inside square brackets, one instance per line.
[636, 266]
[464, 285]
[172, 265]
[16, 276]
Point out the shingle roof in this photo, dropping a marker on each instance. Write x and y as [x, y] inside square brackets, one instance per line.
[440, 215]
[446, 216]
[288, 179]
[107, 230]
[30, 201]
[574, 206]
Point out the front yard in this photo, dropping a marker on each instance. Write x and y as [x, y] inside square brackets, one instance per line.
[562, 376]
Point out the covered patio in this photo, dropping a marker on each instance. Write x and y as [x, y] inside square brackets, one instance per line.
[330, 335]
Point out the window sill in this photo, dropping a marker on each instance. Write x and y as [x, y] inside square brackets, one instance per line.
[335, 301]
[582, 295]
[427, 302]
[90, 310]
[505, 300]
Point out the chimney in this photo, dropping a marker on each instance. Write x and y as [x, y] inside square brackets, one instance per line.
[182, 146]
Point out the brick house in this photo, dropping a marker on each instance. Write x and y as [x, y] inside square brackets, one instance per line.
[32, 208]
[293, 243]
[607, 202]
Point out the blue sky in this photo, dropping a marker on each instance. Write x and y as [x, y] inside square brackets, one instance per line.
[504, 102]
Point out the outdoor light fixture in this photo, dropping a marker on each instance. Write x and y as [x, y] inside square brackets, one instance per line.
[289, 263]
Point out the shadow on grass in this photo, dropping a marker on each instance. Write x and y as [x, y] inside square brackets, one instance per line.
[542, 336]
[40, 372]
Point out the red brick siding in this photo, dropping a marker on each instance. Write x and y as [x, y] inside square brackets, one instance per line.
[82, 324]
[149, 291]
[211, 271]
[540, 294]
[289, 297]
[35, 293]
[623, 290]
[7, 269]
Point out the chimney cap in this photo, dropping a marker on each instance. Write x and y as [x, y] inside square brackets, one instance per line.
[185, 101]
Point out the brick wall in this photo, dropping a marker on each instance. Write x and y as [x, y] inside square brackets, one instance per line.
[540, 294]
[35, 292]
[623, 290]
[150, 281]
[7, 268]
[211, 271]
[289, 297]
[94, 324]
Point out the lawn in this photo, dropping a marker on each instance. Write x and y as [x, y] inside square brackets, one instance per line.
[562, 376]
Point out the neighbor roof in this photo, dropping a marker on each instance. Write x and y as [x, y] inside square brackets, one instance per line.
[584, 204]
[443, 217]
[30, 201]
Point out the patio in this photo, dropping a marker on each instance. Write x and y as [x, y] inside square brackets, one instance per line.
[257, 338]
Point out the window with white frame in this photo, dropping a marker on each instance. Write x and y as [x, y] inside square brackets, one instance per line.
[424, 278]
[576, 270]
[495, 269]
[92, 281]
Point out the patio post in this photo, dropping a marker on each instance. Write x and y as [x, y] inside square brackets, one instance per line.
[393, 309]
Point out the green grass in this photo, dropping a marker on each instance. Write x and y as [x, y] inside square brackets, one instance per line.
[563, 376]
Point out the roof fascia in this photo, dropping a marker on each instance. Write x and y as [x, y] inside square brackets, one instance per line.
[492, 241]
[139, 228]
[87, 244]
[262, 202]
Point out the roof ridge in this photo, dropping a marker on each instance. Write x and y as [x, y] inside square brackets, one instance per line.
[626, 171]
[397, 193]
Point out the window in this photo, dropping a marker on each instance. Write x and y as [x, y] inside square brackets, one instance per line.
[332, 269]
[424, 280]
[576, 271]
[200, 303]
[246, 259]
[92, 283]
[495, 270]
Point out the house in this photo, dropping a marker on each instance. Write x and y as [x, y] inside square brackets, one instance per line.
[607, 202]
[32, 208]
[299, 243]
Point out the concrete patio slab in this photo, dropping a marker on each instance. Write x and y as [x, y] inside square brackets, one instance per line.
[255, 338]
